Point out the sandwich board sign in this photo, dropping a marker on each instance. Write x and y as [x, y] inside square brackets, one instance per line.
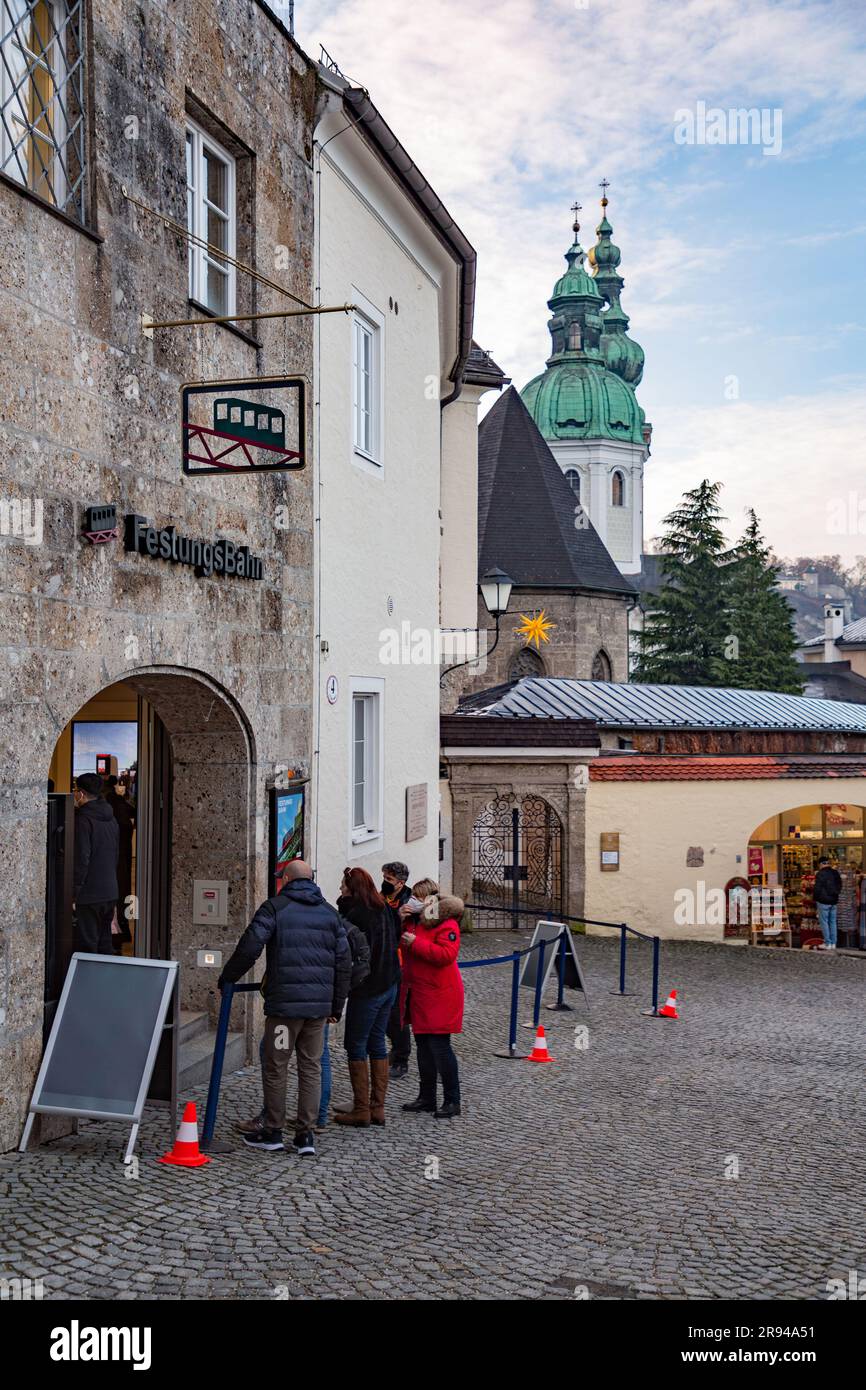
[104, 1041]
[573, 975]
[253, 426]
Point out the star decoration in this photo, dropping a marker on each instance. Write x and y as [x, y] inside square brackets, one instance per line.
[535, 629]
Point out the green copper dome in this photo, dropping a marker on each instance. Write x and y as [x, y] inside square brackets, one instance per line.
[621, 353]
[586, 390]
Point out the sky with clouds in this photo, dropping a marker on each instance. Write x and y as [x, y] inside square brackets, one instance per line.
[744, 270]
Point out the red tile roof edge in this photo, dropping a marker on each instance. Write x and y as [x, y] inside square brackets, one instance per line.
[657, 767]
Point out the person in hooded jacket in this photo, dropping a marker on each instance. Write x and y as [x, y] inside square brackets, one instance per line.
[94, 873]
[307, 980]
[431, 1000]
[371, 1001]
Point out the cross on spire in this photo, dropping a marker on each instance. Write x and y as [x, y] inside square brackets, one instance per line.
[604, 186]
[575, 208]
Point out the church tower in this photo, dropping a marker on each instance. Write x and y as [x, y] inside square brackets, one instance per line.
[584, 402]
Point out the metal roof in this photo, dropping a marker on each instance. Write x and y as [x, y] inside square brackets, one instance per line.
[664, 706]
[852, 632]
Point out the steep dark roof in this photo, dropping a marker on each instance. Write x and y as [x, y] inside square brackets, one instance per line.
[481, 370]
[636, 706]
[526, 510]
[833, 680]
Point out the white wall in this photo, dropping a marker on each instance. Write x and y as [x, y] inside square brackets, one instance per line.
[620, 528]
[379, 533]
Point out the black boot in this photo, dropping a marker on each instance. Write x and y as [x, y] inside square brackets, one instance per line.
[421, 1102]
[448, 1110]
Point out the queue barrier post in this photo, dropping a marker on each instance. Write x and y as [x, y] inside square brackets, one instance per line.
[623, 947]
[539, 977]
[560, 1007]
[512, 1055]
[208, 1143]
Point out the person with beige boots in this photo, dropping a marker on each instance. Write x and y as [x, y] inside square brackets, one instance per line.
[370, 1003]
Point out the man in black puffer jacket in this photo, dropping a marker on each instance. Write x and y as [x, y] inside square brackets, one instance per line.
[306, 983]
[94, 873]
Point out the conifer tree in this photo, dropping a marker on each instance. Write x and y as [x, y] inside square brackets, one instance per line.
[683, 640]
[761, 639]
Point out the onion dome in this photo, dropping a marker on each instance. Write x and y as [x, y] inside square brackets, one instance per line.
[621, 353]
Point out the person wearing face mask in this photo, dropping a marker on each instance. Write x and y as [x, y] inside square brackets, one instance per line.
[396, 892]
[97, 847]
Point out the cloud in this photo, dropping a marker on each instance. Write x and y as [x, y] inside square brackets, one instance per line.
[794, 460]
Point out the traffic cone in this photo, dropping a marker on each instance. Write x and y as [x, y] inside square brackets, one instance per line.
[186, 1153]
[669, 1009]
[539, 1052]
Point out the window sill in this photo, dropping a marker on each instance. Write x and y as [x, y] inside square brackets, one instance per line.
[366, 462]
[232, 328]
[38, 202]
[363, 837]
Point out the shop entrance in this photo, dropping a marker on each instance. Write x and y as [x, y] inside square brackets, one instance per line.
[784, 852]
[175, 760]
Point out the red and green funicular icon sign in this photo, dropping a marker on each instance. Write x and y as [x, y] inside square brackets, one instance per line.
[252, 426]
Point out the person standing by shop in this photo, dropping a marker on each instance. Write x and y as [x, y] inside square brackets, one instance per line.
[307, 980]
[94, 874]
[431, 1000]
[125, 817]
[371, 1002]
[828, 886]
[396, 892]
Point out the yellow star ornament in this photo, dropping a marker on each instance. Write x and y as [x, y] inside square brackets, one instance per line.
[534, 629]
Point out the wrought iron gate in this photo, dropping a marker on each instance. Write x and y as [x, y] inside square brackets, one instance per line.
[516, 862]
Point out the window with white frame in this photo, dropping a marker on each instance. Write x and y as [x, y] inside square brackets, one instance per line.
[617, 489]
[367, 382]
[211, 218]
[42, 100]
[366, 764]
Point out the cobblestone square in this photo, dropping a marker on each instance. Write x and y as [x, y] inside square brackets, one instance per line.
[601, 1176]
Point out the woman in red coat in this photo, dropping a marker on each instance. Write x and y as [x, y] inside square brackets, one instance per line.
[431, 1000]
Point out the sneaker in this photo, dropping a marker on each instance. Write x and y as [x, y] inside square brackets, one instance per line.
[268, 1140]
[305, 1144]
[252, 1126]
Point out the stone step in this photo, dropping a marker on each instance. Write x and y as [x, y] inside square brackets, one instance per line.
[196, 1054]
[192, 1024]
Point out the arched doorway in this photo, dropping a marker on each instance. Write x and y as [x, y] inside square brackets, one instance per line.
[193, 806]
[516, 862]
[784, 850]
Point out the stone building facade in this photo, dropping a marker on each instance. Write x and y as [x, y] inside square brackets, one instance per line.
[219, 666]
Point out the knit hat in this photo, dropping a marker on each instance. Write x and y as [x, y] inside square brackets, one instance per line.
[443, 908]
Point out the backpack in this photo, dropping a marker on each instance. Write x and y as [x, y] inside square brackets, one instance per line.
[360, 949]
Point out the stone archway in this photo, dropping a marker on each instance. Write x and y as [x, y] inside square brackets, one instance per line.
[211, 792]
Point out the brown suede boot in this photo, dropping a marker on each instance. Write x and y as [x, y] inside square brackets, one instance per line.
[378, 1089]
[359, 1075]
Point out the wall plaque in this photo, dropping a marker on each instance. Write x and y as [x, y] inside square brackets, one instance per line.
[609, 846]
[416, 811]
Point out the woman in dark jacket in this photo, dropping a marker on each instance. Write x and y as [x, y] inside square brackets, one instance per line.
[371, 1002]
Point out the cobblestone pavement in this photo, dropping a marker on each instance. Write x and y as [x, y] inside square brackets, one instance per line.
[604, 1171]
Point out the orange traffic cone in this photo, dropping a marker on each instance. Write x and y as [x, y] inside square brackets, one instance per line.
[186, 1153]
[669, 1009]
[539, 1052]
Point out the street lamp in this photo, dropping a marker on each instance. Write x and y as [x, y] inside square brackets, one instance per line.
[495, 588]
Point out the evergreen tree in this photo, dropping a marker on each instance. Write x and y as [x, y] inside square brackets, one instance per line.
[683, 641]
[761, 641]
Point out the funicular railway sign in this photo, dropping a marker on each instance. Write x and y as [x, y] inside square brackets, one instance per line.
[253, 426]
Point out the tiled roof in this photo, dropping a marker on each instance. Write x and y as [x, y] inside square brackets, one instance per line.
[634, 706]
[526, 510]
[481, 370]
[656, 767]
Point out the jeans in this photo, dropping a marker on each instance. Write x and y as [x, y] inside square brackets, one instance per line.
[325, 1100]
[436, 1058]
[399, 1037]
[366, 1021]
[283, 1036]
[827, 920]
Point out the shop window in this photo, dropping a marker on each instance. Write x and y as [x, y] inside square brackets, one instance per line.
[42, 101]
[843, 822]
[769, 830]
[211, 218]
[803, 823]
